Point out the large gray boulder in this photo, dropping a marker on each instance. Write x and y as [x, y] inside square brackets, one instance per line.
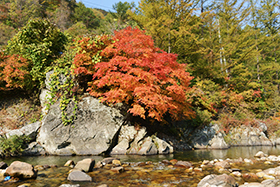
[92, 132]
[208, 137]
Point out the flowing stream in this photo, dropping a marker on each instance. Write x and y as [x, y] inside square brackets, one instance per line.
[155, 174]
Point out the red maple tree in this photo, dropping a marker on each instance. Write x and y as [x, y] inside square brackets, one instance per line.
[135, 72]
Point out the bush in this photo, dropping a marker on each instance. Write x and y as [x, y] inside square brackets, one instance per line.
[13, 146]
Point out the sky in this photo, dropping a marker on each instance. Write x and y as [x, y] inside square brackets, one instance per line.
[104, 4]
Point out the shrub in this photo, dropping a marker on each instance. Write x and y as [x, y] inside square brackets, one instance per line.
[13, 146]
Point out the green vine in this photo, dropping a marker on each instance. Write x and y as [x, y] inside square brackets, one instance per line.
[63, 87]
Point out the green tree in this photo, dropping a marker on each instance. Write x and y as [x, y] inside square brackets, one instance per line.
[171, 23]
[86, 15]
[41, 42]
[21, 11]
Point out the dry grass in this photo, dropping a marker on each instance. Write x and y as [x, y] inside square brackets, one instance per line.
[17, 109]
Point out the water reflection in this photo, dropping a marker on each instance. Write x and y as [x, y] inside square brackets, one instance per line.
[194, 155]
[233, 152]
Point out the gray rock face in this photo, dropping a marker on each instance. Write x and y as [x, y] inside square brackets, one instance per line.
[79, 176]
[21, 170]
[148, 147]
[34, 149]
[217, 181]
[91, 133]
[133, 142]
[44, 97]
[249, 136]
[208, 137]
[30, 130]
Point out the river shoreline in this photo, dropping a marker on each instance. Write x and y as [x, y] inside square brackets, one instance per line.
[157, 170]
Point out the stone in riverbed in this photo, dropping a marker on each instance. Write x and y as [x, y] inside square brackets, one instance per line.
[21, 170]
[217, 180]
[69, 185]
[79, 176]
[119, 169]
[86, 165]
[250, 177]
[260, 154]
[223, 164]
[69, 163]
[183, 164]
[108, 160]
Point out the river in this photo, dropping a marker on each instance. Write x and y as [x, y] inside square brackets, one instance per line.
[58, 176]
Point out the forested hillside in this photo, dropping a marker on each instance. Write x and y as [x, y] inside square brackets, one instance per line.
[228, 49]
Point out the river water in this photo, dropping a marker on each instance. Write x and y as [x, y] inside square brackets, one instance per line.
[154, 175]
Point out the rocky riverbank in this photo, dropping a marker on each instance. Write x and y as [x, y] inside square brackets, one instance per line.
[262, 171]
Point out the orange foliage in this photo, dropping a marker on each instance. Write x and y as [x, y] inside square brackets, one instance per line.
[13, 70]
[135, 72]
[88, 48]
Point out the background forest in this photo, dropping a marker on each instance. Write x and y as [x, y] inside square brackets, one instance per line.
[230, 49]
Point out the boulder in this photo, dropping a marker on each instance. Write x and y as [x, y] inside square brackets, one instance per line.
[86, 165]
[162, 146]
[249, 136]
[92, 132]
[79, 176]
[147, 147]
[183, 164]
[128, 138]
[30, 130]
[21, 170]
[34, 149]
[133, 141]
[121, 148]
[208, 137]
[217, 181]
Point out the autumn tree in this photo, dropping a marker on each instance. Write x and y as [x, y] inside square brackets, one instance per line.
[135, 72]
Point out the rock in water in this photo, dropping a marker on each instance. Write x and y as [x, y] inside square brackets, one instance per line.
[217, 180]
[79, 176]
[86, 165]
[21, 170]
